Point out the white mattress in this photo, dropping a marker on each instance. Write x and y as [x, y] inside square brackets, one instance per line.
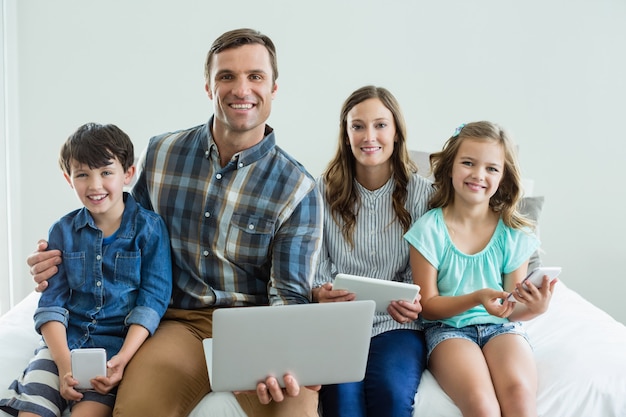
[580, 353]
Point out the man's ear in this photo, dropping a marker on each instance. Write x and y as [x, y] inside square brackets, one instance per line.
[207, 88]
[274, 90]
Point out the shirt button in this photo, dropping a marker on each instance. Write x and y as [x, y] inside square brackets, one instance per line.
[93, 321]
[251, 226]
[218, 176]
[207, 214]
[240, 165]
[98, 284]
[206, 153]
[98, 257]
[205, 253]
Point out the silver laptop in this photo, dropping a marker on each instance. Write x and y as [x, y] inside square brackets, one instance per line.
[324, 343]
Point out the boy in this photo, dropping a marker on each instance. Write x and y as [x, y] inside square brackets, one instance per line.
[111, 289]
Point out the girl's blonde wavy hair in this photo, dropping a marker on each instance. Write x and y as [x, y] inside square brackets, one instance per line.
[506, 200]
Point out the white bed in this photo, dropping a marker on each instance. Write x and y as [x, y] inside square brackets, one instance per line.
[580, 353]
[579, 349]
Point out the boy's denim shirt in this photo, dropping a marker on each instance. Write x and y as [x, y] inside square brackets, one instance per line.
[100, 290]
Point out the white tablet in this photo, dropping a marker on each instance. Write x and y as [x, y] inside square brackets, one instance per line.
[381, 291]
[318, 344]
[536, 277]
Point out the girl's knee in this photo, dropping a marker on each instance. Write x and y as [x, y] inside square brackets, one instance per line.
[520, 398]
[480, 404]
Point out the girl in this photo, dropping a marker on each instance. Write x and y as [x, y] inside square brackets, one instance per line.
[372, 194]
[468, 253]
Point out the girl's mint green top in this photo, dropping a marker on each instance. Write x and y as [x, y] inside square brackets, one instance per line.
[460, 273]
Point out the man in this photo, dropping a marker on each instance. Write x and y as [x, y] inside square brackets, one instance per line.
[245, 227]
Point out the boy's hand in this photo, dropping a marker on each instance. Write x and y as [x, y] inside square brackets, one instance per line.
[115, 372]
[67, 384]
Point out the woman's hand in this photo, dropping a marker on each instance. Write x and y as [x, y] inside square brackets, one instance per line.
[326, 294]
[404, 311]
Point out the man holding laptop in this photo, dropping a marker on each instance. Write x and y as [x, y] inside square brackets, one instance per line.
[245, 225]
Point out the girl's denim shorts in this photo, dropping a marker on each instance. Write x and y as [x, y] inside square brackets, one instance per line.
[478, 333]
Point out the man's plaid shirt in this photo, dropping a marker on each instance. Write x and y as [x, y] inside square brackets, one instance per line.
[245, 234]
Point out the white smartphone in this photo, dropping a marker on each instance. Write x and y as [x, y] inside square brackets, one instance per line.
[87, 364]
[536, 277]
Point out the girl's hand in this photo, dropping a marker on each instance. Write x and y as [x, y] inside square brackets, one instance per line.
[536, 300]
[326, 294]
[403, 311]
[495, 302]
[67, 384]
[115, 372]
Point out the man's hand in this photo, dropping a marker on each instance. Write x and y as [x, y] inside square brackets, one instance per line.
[270, 390]
[43, 264]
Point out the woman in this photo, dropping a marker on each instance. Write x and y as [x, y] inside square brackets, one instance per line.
[372, 195]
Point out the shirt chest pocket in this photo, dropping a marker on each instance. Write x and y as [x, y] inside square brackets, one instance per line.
[128, 268]
[249, 239]
[74, 263]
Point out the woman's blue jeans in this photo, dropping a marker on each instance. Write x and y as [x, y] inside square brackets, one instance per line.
[394, 369]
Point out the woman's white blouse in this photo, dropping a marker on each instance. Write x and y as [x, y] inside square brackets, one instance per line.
[379, 251]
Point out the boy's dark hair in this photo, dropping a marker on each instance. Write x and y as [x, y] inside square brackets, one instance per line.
[96, 145]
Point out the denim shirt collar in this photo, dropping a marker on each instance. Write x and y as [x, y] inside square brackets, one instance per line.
[247, 156]
[127, 226]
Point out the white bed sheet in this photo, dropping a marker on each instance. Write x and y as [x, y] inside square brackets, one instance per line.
[580, 353]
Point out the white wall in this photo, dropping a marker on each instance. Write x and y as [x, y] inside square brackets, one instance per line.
[8, 166]
[552, 72]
